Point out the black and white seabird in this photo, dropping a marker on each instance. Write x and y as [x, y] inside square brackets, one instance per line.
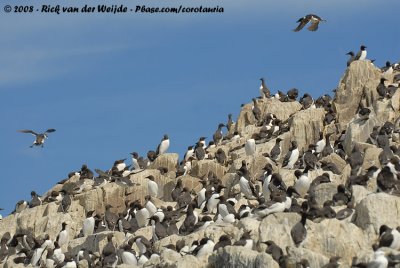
[380, 260]
[299, 231]
[176, 192]
[36, 200]
[276, 150]
[128, 255]
[256, 110]
[135, 161]
[245, 241]
[190, 221]
[250, 146]
[39, 137]
[63, 237]
[109, 248]
[150, 205]
[389, 237]
[292, 94]
[246, 186]
[230, 123]
[163, 146]
[88, 223]
[206, 247]
[307, 101]
[86, 173]
[264, 90]
[387, 69]
[110, 218]
[273, 249]
[158, 229]
[314, 19]
[217, 137]
[265, 180]
[362, 54]
[320, 145]
[224, 240]
[351, 59]
[142, 215]
[152, 186]
[212, 202]
[221, 157]
[302, 183]
[199, 151]
[66, 201]
[382, 89]
[184, 198]
[189, 153]
[386, 180]
[309, 159]
[291, 156]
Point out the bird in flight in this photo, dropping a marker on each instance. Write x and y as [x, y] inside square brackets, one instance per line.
[313, 19]
[40, 137]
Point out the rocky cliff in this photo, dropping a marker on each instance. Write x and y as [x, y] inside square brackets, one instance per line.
[363, 133]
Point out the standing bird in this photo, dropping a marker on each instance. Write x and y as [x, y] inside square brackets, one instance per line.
[264, 90]
[256, 110]
[66, 201]
[320, 145]
[302, 183]
[40, 137]
[389, 237]
[250, 146]
[299, 231]
[189, 153]
[291, 157]
[152, 186]
[199, 151]
[314, 19]
[163, 146]
[63, 237]
[276, 150]
[88, 223]
[382, 89]
[351, 59]
[246, 186]
[230, 123]
[135, 162]
[362, 54]
[217, 137]
[36, 200]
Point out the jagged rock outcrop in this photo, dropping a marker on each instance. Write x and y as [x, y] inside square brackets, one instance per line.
[347, 237]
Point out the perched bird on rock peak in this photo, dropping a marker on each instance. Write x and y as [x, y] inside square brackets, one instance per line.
[362, 54]
[163, 146]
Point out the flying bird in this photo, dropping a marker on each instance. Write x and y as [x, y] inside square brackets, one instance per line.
[314, 19]
[40, 137]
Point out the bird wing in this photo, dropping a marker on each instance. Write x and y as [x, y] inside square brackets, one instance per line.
[50, 130]
[303, 22]
[286, 159]
[314, 26]
[28, 131]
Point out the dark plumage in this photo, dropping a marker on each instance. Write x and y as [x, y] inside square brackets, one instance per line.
[299, 231]
[256, 110]
[313, 19]
[276, 150]
[224, 240]
[274, 250]
[217, 137]
[351, 59]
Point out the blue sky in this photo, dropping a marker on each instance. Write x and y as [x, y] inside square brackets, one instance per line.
[113, 84]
